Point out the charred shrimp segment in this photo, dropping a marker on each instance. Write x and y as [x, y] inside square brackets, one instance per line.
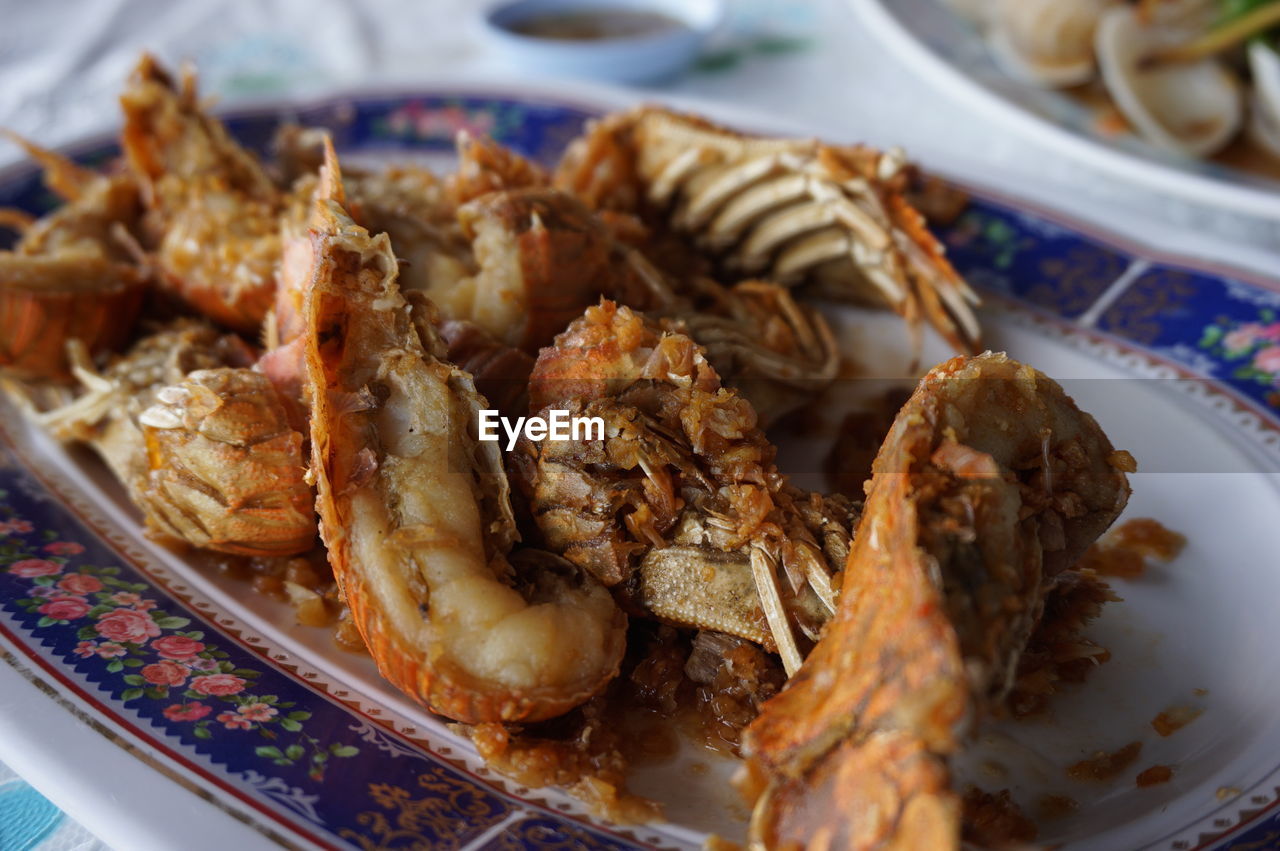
[990, 483]
[416, 515]
[225, 469]
[773, 350]
[680, 508]
[543, 259]
[484, 166]
[791, 210]
[212, 212]
[47, 300]
[105, 415]
[501, 372]
[71, 275]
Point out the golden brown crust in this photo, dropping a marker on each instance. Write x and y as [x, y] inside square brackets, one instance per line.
[794, 211]
[71, 275]
[989, 483]
[47, 300]
[543, 249]
[213, 214]
[416, 516]
[680, 508]
[484, 166]
[225, 467]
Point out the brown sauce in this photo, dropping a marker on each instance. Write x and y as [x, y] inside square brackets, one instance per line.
[1174, 719]
[638, 720]
[305, 581]
[1125, 551]
[1105, 766]
[719, 843]
[1154, 776]
[649, 741]
[1056, 806]
[994, 820]
[1149, 538]
[1058, 653]
[596, 25]
[267, 574]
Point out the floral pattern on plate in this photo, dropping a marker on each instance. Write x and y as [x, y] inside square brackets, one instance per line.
[262, 733]
[1040, 264]
[1218, 327]
[150, 651]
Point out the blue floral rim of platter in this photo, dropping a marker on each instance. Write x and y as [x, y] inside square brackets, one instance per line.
[116, 637]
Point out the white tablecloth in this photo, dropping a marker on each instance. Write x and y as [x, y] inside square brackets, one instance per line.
[29, 820]
[62, 64]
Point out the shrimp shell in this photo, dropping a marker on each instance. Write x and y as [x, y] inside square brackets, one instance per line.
[47, 300]
[211, 209]
[415, 512]
[71, 275]
[990, 484]
[105, 415]
[225, 468]
[794, 211]
[680, 508]
[484, 166]
[543, 259]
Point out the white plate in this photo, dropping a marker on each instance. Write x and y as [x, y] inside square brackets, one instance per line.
[950, 54]
[1116, 320]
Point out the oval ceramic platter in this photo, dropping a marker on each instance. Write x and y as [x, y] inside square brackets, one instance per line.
[951, 54]
[165, 707]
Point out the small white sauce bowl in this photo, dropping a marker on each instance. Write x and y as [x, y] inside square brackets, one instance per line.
[633, 59]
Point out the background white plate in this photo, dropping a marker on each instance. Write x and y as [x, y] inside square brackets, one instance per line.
[949, 53]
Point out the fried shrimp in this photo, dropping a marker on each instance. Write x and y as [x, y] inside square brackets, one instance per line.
[416, 516]
[989, 486]
[312, 358]
[72, 274]
[680, 509]
[212, 211]
[794, 211]
[225, 469]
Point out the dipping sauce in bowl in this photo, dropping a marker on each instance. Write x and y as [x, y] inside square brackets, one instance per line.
[597, 25]
[628, 41]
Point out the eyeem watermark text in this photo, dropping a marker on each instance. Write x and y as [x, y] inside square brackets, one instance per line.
[558, 425]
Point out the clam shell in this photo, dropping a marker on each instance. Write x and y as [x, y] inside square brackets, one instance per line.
[1196, 15]
[978, 11]
[1264, 113]
[1047, 42]
[1193, 109]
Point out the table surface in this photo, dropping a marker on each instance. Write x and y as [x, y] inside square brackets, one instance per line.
[807, 61]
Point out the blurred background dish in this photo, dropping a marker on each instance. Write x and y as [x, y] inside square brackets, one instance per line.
[1149, 129]
[621, 41]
